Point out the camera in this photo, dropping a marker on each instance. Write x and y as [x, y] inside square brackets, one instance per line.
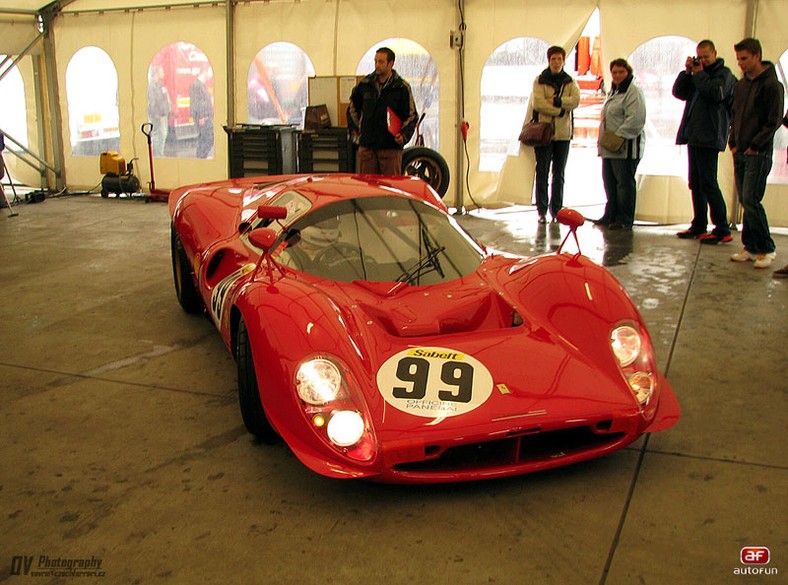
[695, 61]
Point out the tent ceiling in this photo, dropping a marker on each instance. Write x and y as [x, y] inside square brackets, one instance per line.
[33, 6]
[21, 5]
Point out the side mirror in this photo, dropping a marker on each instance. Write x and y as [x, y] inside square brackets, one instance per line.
[263, 238]
[570, 217]
[271, 212]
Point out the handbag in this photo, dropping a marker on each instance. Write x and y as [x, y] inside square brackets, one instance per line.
[611, 141]
[536, 133]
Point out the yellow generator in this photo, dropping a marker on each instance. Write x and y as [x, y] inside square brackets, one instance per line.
[118, 177]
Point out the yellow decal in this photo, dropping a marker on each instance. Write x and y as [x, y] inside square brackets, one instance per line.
[427, 352]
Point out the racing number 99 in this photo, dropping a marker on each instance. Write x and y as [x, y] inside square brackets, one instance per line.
[416, 371]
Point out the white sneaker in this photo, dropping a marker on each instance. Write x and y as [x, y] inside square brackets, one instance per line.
[764, 260]
[743, 256]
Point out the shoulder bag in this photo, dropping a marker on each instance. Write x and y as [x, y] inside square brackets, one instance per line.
[611, 141]
[536, 133]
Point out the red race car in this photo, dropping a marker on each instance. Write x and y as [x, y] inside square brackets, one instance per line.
[379, 340]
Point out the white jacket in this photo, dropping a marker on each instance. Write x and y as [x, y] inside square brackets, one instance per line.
[542, 101]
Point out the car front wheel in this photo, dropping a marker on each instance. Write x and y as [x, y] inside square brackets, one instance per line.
[252, 411]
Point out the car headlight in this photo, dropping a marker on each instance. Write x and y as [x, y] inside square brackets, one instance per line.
[642, 386]
[345, 428]
[625, 341]
[335, 407]
[635, 357]
[318, 381]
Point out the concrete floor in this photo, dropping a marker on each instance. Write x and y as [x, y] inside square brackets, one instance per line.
[121, 439]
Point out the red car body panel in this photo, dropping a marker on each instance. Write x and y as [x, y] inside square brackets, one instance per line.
[553, 393]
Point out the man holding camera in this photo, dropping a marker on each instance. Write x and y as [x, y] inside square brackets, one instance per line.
[706, 86]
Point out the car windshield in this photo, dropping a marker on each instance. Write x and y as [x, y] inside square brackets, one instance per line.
[390, 239]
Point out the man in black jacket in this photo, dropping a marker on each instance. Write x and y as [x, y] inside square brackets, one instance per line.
[383, 116]
[756, 116]
[706, 85]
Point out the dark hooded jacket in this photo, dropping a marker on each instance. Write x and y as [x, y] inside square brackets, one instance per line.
[367, 112]
[708, 95]
[757, 111]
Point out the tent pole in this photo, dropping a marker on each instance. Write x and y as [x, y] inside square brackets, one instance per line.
[458, 43]
[749, 31]
[230, 49]
[751, 18]
[52, 91]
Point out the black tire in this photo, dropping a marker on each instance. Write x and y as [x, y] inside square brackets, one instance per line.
[185, 289]
[428, 165]
[252, 411]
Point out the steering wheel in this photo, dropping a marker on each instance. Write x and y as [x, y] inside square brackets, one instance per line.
[338, 252]
[337, 255]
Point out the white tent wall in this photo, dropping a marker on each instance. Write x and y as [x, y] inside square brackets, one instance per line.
[666, 198]
[490, 24]
[309, 24]
[334, 33]
[23, 172]
[132, 40]
[771, 27]
[362, 25]
[16, 34]
[19, 33]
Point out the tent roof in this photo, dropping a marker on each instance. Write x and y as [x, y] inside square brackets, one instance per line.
[33, 6]
[21, 6]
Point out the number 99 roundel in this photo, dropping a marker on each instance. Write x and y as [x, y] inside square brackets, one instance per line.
[434, 382]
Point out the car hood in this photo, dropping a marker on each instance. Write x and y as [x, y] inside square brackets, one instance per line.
[518, 346]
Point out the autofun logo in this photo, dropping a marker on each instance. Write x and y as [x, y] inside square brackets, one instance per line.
[755, 559]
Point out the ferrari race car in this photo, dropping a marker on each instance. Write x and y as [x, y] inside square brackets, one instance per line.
[379, 340]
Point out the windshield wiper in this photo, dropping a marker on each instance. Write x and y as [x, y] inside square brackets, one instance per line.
[430, 260]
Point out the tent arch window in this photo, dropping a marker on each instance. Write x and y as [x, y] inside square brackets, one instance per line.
[180, 78]
[779, 174]
[656, 64]
[277, 84]
[13, 116]
[507, 80]
[92, 95]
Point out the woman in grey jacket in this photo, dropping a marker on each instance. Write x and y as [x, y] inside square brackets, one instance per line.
[624, 121]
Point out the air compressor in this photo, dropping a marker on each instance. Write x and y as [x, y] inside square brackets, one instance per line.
[118, 177]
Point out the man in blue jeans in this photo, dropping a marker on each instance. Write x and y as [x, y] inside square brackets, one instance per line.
[757, 114]
[706, 87]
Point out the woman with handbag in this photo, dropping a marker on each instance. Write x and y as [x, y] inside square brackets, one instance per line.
[555, 94]
[622, 141]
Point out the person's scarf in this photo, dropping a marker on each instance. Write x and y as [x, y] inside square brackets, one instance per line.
[555, 80]
[623, 86]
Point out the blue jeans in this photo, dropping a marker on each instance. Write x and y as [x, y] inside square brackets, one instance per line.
[750, 172]
[706, 194]
[618, 176]
[556, 152]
